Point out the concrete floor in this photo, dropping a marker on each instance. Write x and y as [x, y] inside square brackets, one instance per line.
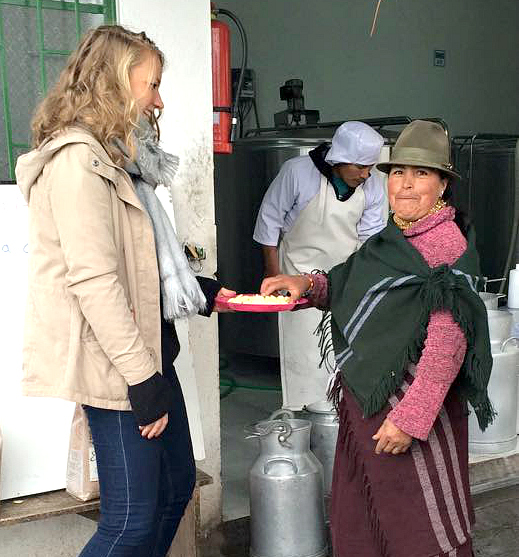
[496, 533]
[239, 408]
[497, 523]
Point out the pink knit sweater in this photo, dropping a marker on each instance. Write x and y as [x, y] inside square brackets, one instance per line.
[440, 241]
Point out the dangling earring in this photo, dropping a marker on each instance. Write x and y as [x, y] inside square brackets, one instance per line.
[439, 205]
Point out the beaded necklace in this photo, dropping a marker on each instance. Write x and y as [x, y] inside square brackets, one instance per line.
[406, 224]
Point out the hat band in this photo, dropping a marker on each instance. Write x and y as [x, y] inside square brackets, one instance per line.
[419, 157]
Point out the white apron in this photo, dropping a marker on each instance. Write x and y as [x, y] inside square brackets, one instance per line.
[324, 234]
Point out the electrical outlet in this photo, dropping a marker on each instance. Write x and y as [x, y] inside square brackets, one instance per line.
[194, 252]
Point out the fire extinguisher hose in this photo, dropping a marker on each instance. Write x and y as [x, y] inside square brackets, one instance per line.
[245, 51]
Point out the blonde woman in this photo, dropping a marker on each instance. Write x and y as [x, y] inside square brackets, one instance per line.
[107, 279]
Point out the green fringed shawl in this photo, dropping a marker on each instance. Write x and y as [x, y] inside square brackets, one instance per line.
[381, 299]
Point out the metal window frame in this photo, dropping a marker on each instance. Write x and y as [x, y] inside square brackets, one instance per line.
[107, 8]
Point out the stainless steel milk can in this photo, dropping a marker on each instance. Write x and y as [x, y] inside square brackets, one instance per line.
[286, 491]
[501, 435]
[323, 437]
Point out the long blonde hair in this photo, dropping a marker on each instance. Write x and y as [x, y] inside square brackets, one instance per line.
[93, 90]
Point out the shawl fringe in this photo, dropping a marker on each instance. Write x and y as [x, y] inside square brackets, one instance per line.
[335, 393]
[472, 370]
[324, 332]
[437, 293]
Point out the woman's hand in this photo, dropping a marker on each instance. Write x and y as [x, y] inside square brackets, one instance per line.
[295, 284]
[154, 429]
[224, 293]
[391, 439]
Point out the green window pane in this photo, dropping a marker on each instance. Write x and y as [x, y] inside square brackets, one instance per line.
[33, 51]
[90, 20]
[59, 30]
[22, 60]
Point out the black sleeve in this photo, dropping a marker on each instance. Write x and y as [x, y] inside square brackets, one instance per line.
[210, 288]
[151, 399]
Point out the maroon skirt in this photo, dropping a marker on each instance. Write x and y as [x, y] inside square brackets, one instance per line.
[416, 504]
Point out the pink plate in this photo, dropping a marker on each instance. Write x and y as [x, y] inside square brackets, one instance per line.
[259, 308]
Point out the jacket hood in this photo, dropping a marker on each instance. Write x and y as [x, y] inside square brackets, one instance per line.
[30, 166]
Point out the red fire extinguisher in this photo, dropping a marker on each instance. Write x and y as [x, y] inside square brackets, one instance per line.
[222, 100]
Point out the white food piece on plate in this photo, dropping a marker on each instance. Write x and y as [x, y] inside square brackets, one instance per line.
[259, 299]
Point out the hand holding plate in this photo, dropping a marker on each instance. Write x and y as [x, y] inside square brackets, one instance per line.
[295, 284]
[220, 306]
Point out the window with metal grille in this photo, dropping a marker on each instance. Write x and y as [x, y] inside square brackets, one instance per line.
[36, 37]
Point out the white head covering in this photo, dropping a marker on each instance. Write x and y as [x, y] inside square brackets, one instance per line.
[355, 143]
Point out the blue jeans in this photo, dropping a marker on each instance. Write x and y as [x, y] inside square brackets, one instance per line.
[145, 484]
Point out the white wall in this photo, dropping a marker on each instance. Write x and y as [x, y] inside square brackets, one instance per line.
[347, 74]
[181, 29]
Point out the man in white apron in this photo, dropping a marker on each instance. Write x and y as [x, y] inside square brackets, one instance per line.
[315, 214]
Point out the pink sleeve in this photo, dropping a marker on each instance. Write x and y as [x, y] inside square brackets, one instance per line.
[439, 364]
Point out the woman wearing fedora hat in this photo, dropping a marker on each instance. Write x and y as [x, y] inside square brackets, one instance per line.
[411, 345]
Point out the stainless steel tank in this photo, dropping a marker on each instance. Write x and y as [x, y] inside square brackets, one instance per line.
[489, 193]
[515, 334]
[286, 491]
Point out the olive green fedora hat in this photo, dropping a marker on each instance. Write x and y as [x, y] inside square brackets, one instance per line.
[421, 143]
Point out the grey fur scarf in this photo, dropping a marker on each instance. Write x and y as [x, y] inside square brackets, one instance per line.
[181, 293]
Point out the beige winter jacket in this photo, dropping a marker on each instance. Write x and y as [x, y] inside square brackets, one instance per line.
[93, 317]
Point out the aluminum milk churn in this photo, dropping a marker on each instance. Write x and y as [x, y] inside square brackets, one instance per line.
[501, 435]
[286, 491]
[323, 437]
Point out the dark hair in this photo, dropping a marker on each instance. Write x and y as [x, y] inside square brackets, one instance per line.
[460, 218]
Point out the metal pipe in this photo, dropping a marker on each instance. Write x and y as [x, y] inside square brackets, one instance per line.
[487, 136]
[515, 225]
[471, 174]
[245, 48]
[373, 122]
[256, 116]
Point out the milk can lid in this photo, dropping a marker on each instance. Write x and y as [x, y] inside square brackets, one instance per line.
[321, 407]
